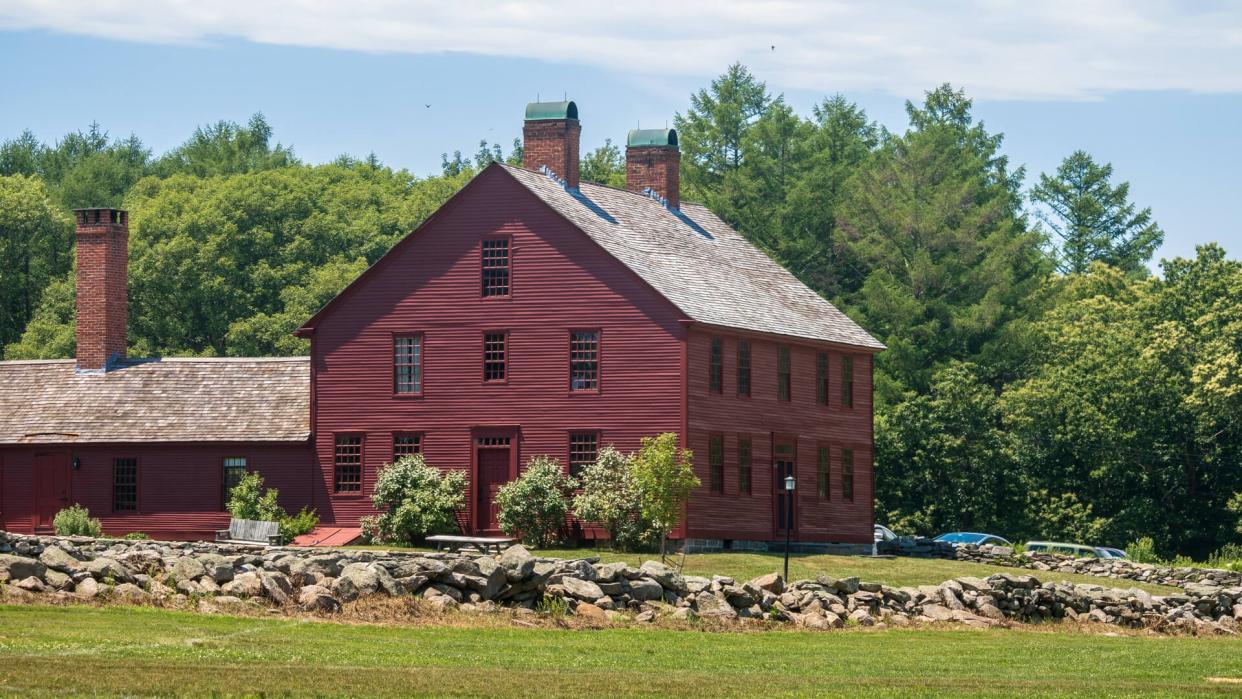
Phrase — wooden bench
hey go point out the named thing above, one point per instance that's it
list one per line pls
(486, 544)
(250, 531)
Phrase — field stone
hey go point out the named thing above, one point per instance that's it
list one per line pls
(710, 605)
(646, 590)
(131, 592)
(57, 580)
(667, 577)
(586, 610)
(314, 598)
(584, 590)
(244, 585)
(105, 569)
(218, 567)
(86, 588)
(277, 587)
(188, 568)
(517, 562)
(20, 567)
(772, 582)
(695, 584)
(56, 558)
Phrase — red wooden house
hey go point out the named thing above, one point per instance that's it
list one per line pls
(532, 314)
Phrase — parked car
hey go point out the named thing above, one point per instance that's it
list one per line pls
(976, 538)
(1109, 552)
(1075, 550)
(883, 533)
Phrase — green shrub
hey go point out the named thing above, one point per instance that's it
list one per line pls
(610, 498)
(415, 500)
(292, 526)
(1143, 551)
(536, 505)
(249, 500)
(76, 521)
(137, 536)
(1228, 556)
(665, 476)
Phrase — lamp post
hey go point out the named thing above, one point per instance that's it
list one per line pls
(789, 490)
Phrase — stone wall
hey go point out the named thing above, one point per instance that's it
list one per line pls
(214, 577)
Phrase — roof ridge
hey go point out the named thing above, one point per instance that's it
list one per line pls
(610, 188)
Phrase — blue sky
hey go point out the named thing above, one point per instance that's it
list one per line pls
(1154, 88)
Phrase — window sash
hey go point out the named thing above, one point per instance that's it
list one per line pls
(847, 382)
(583, 451)
(495, 274)
(347, 462)
(495, 356)
(782, 373)
(823, 481)
(408, 364)
(234, 469)
(715, 461)
(743, 465)
(715, 368)
(821, 378)
(406, 445)
(125, 485)
(743, 368)
(847, 474)
(584, 360)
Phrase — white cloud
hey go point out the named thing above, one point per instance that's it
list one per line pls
(998, 49)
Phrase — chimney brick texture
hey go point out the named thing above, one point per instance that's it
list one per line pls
(552, 142)
(657, 168)
(102, 276)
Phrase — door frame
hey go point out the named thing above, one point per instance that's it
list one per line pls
(513, 433)
(67, 460)
(778, 486)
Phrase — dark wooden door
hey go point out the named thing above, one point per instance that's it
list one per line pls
(51, 486)
(493, 473)
(784, 503)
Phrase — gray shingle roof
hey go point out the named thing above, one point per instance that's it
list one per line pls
(697, 262)
(167, 400)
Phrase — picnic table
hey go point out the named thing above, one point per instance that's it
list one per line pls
(485, 544)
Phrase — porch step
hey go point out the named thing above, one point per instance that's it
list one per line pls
(329, 536)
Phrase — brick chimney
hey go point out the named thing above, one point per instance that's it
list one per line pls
(102, 304)
(653, 164)
(550, 138)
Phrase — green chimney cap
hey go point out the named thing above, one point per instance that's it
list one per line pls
(542, 111)
(651, 137)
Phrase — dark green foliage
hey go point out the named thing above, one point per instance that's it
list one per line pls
(250, 500)
(1092, 220)
(304, 522)
(414, 500)
(224, 148)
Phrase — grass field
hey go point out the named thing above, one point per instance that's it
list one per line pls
(110, 651)
(897, 572)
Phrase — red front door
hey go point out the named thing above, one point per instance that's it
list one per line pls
(493, 462)
(51, 486)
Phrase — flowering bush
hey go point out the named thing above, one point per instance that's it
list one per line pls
(536, 505)
(415, 500)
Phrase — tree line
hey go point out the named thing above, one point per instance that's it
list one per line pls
(1039, 380)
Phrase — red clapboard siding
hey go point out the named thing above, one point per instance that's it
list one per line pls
(430, 284)
(735, 515)
(180, 491)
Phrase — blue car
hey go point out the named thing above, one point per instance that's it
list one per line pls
(976, 538)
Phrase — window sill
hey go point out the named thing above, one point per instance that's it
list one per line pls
(408, 396)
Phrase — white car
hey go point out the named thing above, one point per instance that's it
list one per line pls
(883, 533)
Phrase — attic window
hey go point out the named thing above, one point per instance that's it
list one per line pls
(496, 267)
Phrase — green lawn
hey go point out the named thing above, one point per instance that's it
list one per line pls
(896, 572)
(109, 651)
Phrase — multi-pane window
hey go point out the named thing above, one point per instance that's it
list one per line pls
(495, 356)
(743, 367)
(715, 367)
(584, 360)
(124, 485)
(407, 364)
(821, 473)
(743, 465)
(715, 463)
(496, 267)
(821, 378)
(347, 477)
(583, 451)
(847, 382)
(406, 445)
(847, 474)
(234, 470)
(782, 372)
